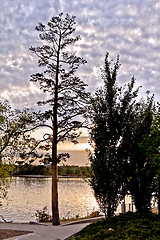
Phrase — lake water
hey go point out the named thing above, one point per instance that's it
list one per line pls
(26, 195)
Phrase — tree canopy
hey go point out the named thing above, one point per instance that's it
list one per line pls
(15, 124)
(111, 108)
(140, 169)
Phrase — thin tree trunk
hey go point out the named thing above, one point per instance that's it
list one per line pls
(55, 209)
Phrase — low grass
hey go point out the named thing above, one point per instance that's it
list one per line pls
(125, 226)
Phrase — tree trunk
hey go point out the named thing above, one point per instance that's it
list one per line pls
(55, 209)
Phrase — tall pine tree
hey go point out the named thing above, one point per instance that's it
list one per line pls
(67, 97)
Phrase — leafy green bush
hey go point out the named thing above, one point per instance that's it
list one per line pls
(94, 214)
(43, 216)
(128, 226)
(5, 171)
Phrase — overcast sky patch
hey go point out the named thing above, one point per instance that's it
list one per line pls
(127, 28)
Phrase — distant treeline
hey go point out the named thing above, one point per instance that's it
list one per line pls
(28, 169)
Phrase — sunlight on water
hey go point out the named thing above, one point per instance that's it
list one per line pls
(26, 195)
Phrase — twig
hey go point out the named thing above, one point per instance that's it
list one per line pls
(5, 220)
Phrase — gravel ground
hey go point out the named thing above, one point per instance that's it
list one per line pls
(7, 233)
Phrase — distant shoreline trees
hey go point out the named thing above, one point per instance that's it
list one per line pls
(67, 170)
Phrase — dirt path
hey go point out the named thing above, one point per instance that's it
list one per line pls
(7, 233)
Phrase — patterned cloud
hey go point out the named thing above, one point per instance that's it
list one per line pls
(125, 27)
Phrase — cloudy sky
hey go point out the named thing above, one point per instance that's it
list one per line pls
(125, 27)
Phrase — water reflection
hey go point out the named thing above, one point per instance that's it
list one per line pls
(26, 195)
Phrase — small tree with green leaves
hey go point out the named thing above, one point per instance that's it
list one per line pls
(140, 169)
(150, 147)
(5, 171)
(67, 98)
(13, 139)
(15, 125)
(111, 110)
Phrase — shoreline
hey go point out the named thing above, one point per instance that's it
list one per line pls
(47, 176)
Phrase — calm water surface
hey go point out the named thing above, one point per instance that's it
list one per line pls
(26, 195)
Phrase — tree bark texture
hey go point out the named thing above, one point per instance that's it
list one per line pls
(55, 209)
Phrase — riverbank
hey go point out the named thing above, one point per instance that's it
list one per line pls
(125, 226)
(48, 176)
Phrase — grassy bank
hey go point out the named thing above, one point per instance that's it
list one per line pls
(128, 226)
